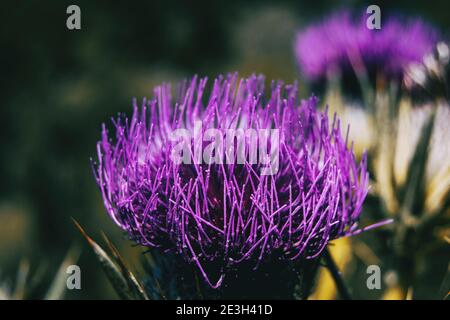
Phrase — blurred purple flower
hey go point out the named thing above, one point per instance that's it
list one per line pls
(342, 41)
(224, 214)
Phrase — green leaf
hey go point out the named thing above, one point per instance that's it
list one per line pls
(414, 189)
(134, 285)
(59, 284)
(119, 276)
(22, 278)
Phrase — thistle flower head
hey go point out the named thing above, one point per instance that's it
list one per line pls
(342, 41)
(224, 212)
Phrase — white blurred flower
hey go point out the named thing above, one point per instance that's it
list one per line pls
(437, 176)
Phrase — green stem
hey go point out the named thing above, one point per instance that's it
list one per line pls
(337, 277)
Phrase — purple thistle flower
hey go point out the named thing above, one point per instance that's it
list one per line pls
(341, 42)
(224, 214)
